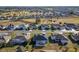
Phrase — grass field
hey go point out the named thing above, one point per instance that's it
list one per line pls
(43, 21)
(74, 20)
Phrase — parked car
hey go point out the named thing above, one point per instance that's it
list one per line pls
(18, 40)
(39, 40)
(58, 38)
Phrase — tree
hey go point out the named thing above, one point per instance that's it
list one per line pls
(37, 19)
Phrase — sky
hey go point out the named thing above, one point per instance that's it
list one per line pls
(39, 2)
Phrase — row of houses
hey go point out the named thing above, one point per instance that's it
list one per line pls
(40, 40)
(66, 26)
(37, 12)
